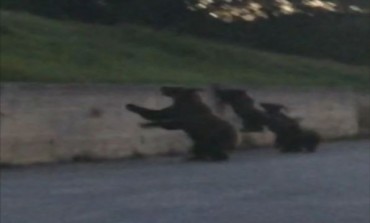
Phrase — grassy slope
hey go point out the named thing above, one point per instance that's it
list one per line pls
(38, 49)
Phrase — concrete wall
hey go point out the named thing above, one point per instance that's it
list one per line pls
(57, 122)
(363, 110)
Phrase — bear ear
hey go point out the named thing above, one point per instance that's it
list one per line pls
(274, 108)
(239, 93)
(195, 89)
(230, 94)
(236, 91)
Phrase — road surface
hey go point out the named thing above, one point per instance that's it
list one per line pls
(258, 186)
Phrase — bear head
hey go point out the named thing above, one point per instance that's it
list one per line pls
(273, 108)
(179, 92)
(233, 96)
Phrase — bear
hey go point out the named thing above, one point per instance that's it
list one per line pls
(286, 129)
(253, 120)
(213, 138)
(290, 136)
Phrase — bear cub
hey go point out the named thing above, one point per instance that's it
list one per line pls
(290, 136)
(243, 106)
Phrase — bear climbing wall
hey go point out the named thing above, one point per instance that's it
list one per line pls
(61, 122)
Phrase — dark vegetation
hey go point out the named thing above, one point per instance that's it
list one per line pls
(36, 49)
(338, 36)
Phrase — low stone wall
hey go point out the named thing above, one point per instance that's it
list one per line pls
(363, 110)
(59, 122)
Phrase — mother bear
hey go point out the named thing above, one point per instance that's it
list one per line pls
(213, 138)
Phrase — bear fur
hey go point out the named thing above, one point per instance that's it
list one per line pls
(243, 105)
(290, 136)
(213, 138)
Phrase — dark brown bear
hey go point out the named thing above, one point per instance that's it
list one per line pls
(290, 136)
(212, 137)
(243, 105)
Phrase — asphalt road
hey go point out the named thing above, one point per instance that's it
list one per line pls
(259, 186)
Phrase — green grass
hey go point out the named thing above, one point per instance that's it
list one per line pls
(36, 49)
